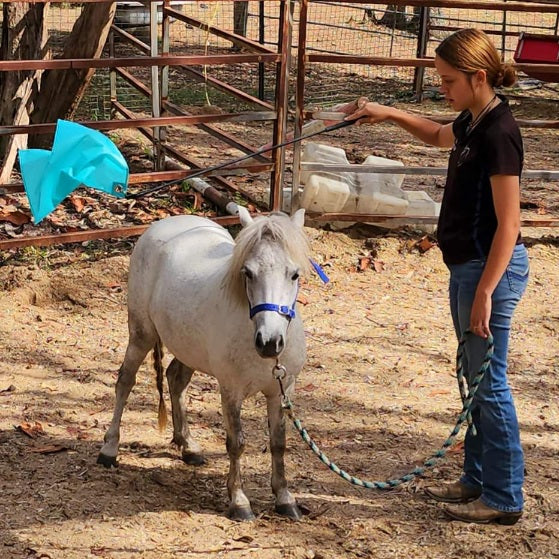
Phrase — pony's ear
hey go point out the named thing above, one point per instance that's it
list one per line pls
(298, 218)
(244, 216)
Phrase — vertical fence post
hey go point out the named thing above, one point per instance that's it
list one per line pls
(504, 34)
(261, 40)
(112, 75)
(165, 47)
(422, 39)
(282, 86)
(155, 91)
(299, 100)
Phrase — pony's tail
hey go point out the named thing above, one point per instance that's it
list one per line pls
(158, 365)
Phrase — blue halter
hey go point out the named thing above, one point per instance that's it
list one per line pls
(284, 310)
(288, 312)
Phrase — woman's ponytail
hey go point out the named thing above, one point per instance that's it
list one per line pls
(506, 77)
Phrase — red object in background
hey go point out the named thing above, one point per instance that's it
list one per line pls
(538, 49)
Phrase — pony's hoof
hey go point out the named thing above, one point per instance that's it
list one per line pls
(107, 461)
(291, 510)
(193, 459)
(240, 514)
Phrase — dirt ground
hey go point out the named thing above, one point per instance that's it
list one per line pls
(377, 394)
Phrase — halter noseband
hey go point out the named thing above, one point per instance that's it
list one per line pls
(284, 310)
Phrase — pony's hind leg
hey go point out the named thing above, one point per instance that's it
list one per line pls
(178, 377)
(239, 505)
(138, 348)
(285, 502)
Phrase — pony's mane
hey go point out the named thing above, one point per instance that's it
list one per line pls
(276, 226)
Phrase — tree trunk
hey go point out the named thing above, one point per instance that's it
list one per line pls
(240, 18)
(394, 16)
(62, 90)
(24, 36)
(414, 20)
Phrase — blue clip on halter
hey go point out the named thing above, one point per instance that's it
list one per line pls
(320, 272)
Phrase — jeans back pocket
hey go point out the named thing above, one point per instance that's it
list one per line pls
(518, 272)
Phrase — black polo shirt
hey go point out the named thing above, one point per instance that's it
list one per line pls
(467, 220)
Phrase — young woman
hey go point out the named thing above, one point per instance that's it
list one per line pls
(479, 236)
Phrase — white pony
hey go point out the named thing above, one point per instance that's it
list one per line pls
(225, 308)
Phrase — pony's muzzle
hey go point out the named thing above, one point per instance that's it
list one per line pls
(269, 348)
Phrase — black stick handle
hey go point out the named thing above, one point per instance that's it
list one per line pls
(200, 172)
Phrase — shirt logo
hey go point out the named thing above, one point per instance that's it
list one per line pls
(463, 157)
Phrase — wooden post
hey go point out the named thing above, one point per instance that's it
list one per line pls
(422, 39)
(112, 74)
(261, 40)
(299, 101)
(282, 85)
(165, 46)
(155, 86)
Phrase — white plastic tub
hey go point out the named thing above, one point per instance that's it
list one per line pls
(360, 193)
(387, 183)
(325, 193)
(374, 202)
(136, 14)
(321, 153)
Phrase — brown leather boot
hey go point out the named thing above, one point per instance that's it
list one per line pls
(480, 513)
(455, 492)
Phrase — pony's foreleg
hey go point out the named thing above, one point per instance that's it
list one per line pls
(135, 354)
(285, 502)
(239, 505)
(178, 377)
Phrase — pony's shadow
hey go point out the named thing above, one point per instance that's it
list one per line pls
(97, 491)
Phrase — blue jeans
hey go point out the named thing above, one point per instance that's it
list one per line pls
(493, 457)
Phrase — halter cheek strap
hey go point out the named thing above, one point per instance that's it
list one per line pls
(284, 310)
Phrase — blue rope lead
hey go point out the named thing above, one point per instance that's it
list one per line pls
(465, 415)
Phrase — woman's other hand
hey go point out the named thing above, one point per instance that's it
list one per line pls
(480, 315)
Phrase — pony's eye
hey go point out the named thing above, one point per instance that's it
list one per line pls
(295, 276)
(248, 274)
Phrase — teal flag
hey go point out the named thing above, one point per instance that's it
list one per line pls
(79, 156)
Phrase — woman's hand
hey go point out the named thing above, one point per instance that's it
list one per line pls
(480, 315)
(428, 131)
(369, 112)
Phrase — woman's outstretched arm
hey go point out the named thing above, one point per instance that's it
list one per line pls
(428, 131)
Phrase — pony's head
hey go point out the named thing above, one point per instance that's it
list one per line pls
(269, 256)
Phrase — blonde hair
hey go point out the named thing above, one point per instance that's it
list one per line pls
(471, 50)
(277, 227)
